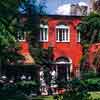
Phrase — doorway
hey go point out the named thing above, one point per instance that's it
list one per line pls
(63, 66)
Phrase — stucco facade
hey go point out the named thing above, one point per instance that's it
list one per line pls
(67, 52)
(71, 49)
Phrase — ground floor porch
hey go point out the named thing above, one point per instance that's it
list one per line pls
(60, 72)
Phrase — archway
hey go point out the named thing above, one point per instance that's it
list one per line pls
(63, 68)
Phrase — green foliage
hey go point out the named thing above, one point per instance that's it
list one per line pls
(28, 87)
(95, 95)
(11, 92)
(8, 21)
(96, 62)
(9, 24)
(8, 46)
(44, 57)
(89, 74)
(75, 89)
(80, 89)
(8, 14)
(43, 98)
(90, 25)
(90, 33)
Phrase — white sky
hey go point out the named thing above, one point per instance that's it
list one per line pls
(60, 6)
(63, 9)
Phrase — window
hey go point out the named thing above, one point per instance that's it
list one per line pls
(78, 37)
(21, 36)
(43, 33)
(62, 33)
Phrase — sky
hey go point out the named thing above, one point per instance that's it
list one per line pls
(59, 6)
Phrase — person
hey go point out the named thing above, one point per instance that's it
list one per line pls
(43, 88)
(53, 80)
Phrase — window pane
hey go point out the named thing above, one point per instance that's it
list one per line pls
(63, 34)
(66, 32)
(45, 35)
(42, 32)
(60, 34)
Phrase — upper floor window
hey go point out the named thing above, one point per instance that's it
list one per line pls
(21, 36)
(43, 33)
(78, 37)
(62, 33)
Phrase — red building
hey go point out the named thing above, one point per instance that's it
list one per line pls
(60, 33)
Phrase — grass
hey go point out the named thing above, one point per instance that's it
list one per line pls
(43, 98)
(95, 95)
(93, 80)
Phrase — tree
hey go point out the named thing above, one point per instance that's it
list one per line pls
(32, 12)
(90, 32)
(43, 57)
(11, 23)
(8, 22)
(96, 61)
(8, 14)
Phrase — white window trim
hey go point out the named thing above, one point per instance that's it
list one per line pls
(63, 27)
(78, 37)
(63, 62)
(24, 33)
(40, 39)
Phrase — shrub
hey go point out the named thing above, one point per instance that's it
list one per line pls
(75, 89)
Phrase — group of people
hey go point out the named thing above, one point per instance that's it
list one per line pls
(46, 89)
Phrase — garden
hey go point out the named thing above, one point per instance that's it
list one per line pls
(86, 87)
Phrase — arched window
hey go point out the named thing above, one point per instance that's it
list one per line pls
(43, 37)
(62, 33)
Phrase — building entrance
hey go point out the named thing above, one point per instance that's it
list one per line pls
(63, 66)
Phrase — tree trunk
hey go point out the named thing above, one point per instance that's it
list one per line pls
(91, 42)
